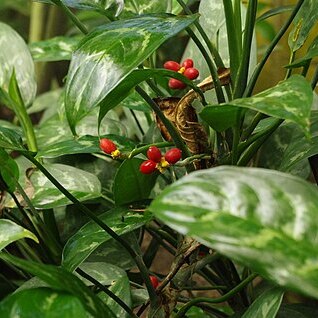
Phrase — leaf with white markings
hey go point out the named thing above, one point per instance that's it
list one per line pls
(15, 54)
(11, 232)
(91, 235)
(81, 184)
(10, 139)
(261, 218)
(108, 54)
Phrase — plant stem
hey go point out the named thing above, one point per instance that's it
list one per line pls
(107, 292)
(291, 59)
(137, 258)
(142, 149)
(231, 293)
(249, 130)
(259, 67)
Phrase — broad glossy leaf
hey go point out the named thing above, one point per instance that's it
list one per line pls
(90, 236)
(10, 139)
(62, 280)
(121, 288)
(84, 144)
(81, 184)
(15, 54)
(108, 54)
(130, 184)
(290, 100)
(11, 232)
(266, 305)
(42, 302)
(9, 170)
(304, 21)
(311, 53)
(133, 8)
(261, 218)
(218, 117)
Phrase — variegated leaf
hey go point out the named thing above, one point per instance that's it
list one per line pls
(11, 232)
(10, 139)
(14, 54)
(261, 218)
(110, 53)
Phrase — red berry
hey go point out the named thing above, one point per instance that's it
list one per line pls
(107, 145)
(154, 154)
(154, 281)
(172, 65)
(191, 73)
(187, 63)
(176, 84)
(173, 155)
(148, 167)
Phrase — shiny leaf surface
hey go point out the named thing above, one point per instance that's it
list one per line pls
(261, 218)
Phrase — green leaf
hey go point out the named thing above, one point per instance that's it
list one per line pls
(218, 117)
(274, 11)
(133, 8)
(9, 170)
(90, 236)
(15, 54)
(266, 305)
(311, 53)
(42, 302)
(130, 184)
(81, 184)
(261, 218)
(290, 100)
(108, 54)
(62, 280)
(120, 288)
(297, 311)
(304, 21)
(11, 232)
(59, 48)
(84, 144)
(10, 139)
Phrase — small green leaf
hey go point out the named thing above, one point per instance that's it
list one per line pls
(59, 48)
(261, 218)
(311, 53)
(304, 21)
(107, 55)
(62, 280)
(218, 117)
(15, 54)
(81, 184)
(130, 184)
(10, 139)
(90, 236)
(290, 100)
(9, 170)
(11, 232)
(266, 305)
(42, 302)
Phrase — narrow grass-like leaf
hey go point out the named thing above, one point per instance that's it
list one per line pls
(261, 218)
(290, 100)
(62, 280)
(108, 54)
(15, 54)
(42, 302)
(266, 305)
(90, 236)
(59, 48)
(11, 232)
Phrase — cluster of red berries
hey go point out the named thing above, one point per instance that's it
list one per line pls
(109, 147)
(156, 161)
(154, 281)
(186, 68)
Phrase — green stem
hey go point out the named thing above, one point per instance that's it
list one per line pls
(238, 21)
(107, 292)
(225, 297)
(142, 149)
(137, 122)
(171, 129)
(249, 130)
(72, 16)
(291, 59)
(137, 258)
(259, 67)
(212, 67)
(242, 75)
(38, 14)
(233, 42)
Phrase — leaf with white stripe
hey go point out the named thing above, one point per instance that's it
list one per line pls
(264, 219)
